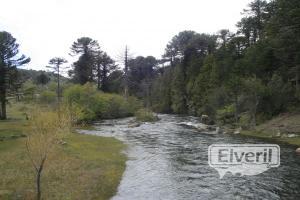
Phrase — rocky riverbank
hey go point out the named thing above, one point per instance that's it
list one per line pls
(284, 128)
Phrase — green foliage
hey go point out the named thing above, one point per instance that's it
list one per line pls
(9, 60)
(145, 115)
(226, 114)
(245, 120)
(47, 97)
(30, 90)
(179, 104)
(161, 92)
(200, 89)
(92, 104)
(254, 71)
(278, 97)
(42, 79)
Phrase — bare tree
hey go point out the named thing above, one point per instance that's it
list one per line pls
(124, 59)
(45, 133)
(126, 78)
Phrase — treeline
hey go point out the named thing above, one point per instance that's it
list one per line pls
(239, 78)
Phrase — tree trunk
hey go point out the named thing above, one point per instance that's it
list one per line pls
(38, 179)
(253, 121)
(236, 112)
(3, 108)
(3, 93)
(254, 112)
(58, 84)
(3, 103)
(99, 77)
(126, 74)
(297, 79)
(104, 86)
(38, 185)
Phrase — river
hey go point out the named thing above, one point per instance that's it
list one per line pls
(168, 161)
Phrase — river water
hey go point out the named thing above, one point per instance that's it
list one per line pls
(169, 161)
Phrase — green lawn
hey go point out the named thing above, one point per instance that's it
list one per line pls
(86, 167)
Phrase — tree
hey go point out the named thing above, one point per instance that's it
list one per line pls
(105, 65)
(176, 47)
(283, 30)
(56, 68)
(254, 90)
(235, 88)
(126, 74)
(46, 131)
(161, 94)
(179, 94)
(225, 36)
(187, 51)
(42, 79)
(115, 81)
(141, 72)
(200, 88)
(278, 97)
(83, 69)
(9, 60)
(252, 25)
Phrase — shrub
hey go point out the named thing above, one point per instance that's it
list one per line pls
(145, 115)
(226, 115)
(245, 120)
(46, 130)
(93, 104)
(47, 97)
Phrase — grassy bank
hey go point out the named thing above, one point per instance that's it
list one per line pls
(86, 167)
(285, 124)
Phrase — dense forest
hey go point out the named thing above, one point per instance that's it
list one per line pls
(244, 77)
(240, 78)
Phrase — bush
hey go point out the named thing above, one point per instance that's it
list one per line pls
(245, 120)
(47, 97)
(145, 115)
(46, 130)
(226, 115)
(93, 104)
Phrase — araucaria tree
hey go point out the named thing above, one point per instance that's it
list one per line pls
(83, 69)
(104, 66)
(9, 60)
(56, 68)
(42, 79)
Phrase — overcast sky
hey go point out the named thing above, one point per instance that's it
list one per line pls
(47, 28)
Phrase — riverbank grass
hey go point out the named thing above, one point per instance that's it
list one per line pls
(285, 124)
(84, 167)
(268, 135)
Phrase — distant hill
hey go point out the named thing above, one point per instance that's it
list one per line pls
(32, 74)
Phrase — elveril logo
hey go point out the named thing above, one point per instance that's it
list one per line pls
(243, 159)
